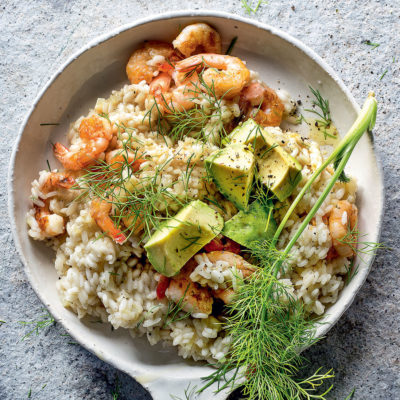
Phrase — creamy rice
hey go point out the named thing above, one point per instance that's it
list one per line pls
(116, 283)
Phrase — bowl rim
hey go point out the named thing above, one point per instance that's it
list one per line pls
(203, 13)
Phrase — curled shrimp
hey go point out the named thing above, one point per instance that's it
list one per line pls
(226, 75)
(192, 297)
(100, 211)
(95, 133)
(262, 103)
(52, 224)
(342, 223)
(198, 38)
(178, 98)
(144, 63)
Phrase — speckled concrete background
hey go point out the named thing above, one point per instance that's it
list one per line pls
(38, 35)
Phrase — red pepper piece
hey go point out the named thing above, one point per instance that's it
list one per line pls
(232, 246)
(214, 245)
(162, 286)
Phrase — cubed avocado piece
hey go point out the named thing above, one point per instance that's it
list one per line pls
(249, 132)
(232, 169)
(179, 238)
(257, 223)
(278, 170)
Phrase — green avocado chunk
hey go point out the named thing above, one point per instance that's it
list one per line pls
(232, 169)
(257, 223)
(249, 132)
(277, 169)
(179, 238)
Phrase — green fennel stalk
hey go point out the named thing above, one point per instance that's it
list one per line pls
(267, 325)
(340, 156)
(365, 121)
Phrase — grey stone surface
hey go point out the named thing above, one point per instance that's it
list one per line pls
(36, 36)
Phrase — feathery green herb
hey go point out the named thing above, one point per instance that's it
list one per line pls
(351, 272)
(268, 327)
(339, 157)
(175, 311)
(147, 314)
(135, 202)
(148, 201)
(44, 322)
(177, 122)
(30, 390)
(322, 111)
(190, 393)
(301, 119)
(360, 247)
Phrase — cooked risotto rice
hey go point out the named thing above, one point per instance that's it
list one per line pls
(117, 284)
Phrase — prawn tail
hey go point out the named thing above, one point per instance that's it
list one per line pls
(119, 237)
(114, 232)
(60, 151)
(67, 182)
(62, 154)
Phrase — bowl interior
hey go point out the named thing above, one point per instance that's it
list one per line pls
(281, 61)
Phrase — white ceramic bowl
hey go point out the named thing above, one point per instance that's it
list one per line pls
(100, 67)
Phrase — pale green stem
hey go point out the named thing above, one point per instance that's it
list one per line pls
(365, 121)
(321, 199)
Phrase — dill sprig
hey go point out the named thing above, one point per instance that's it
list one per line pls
(360, 247)
(148, 201)
(351, 272)
(177, 122)
(175, 311)
(44, 322)
(190, 393)
(267, 325)
(135, 201)
(321, 110)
